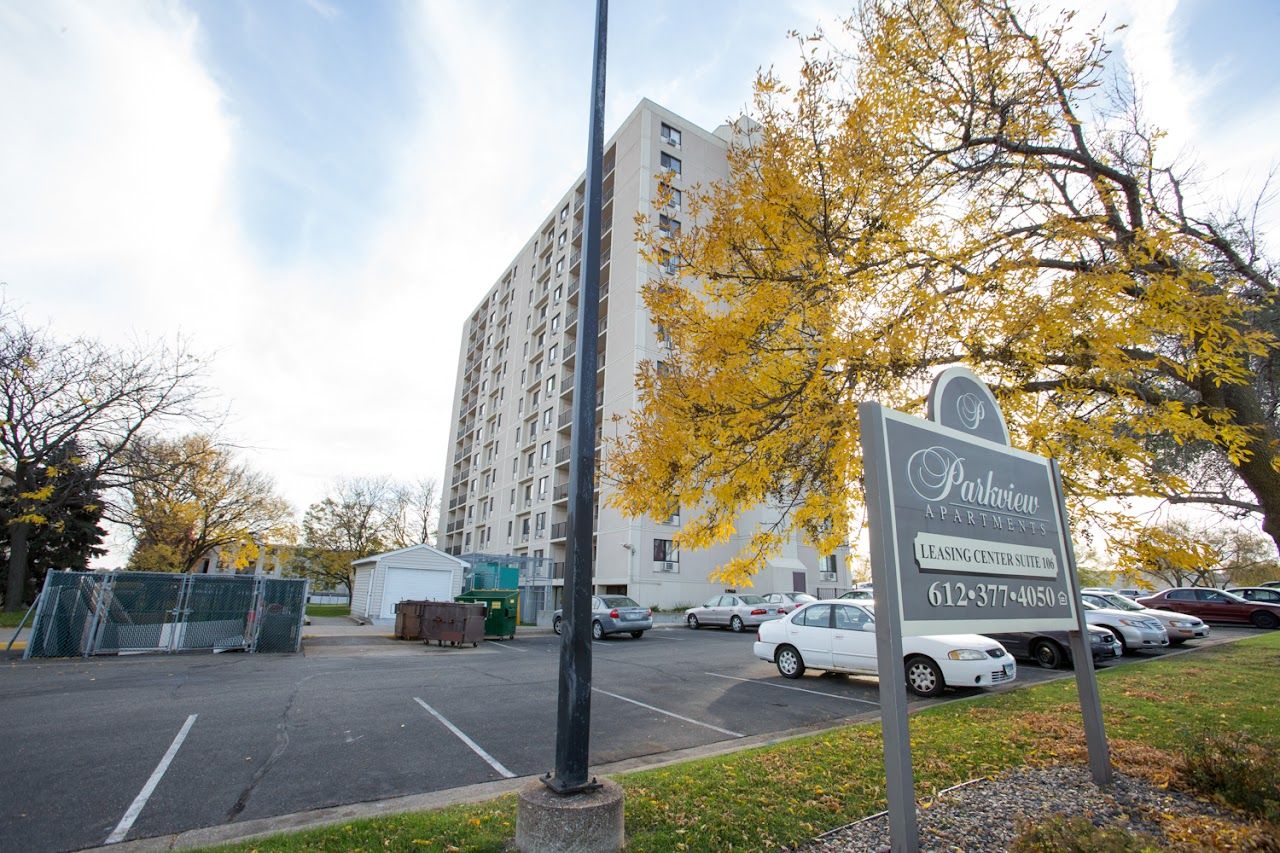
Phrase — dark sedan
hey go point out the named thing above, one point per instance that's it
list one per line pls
(1215, 605)
(1256, 593)
(1052, 649)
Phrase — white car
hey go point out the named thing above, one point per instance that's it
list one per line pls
(1179, 626)
(838, 635)
(1133, 630)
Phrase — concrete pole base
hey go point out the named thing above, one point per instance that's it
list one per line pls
(590, 822)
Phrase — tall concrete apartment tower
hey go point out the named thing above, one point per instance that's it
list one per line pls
(506, 486)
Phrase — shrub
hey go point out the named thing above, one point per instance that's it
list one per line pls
(1079, 835)
(1237, 769)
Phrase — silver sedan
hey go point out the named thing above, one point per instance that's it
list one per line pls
(789, 601)
(612, 614)
(736, 611)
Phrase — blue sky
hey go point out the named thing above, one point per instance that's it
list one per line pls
(317, 192)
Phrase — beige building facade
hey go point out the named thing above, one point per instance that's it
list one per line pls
(507, 467)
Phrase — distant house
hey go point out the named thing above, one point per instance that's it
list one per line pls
(270, 562)
(417, 573)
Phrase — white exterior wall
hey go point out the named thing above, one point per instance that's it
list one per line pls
(491, 403)
(360, 590)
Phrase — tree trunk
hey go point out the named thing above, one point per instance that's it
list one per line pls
(1258, 471)
(16, 588)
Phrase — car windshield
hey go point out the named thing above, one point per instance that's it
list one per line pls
(1119, 602)
(1088, 606)
(802, 597)
(752, 599)
(1232, 597)
(617, 601)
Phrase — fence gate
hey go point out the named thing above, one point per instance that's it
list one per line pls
(85, 613)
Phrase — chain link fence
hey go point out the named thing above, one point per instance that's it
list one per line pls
(87, 613)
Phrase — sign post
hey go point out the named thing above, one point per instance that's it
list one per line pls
(968, 534)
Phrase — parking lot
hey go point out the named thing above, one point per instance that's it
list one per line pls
(116, 748)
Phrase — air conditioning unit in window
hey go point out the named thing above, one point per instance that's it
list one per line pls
(826, 576)
(666, 566)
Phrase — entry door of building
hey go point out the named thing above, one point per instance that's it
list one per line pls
(798, 581)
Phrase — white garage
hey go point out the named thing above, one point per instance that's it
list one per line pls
(417, 573)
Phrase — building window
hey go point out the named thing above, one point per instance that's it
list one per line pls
(670, 164)
(541, 524)
(564, 213)
(670, 135)
(668, 227)
(546, 417)
(674, 199)
(564, 235)
(551, 385)
(559, 266)
(555, 323)
(542, 488)
(559, 291)
(552, 353)
(665, 551)
(545, 451)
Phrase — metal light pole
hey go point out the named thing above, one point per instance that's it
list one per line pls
(573, 716)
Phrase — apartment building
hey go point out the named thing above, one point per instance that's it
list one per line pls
(507, 468)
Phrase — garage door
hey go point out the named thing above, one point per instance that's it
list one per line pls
(417, 585)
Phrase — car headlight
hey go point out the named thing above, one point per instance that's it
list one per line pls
(966, 654)
(1181, 623)
(1135, 623)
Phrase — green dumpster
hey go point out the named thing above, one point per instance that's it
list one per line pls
(502, 604)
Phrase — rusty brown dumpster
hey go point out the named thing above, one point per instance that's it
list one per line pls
(453, 623)
(409, 616)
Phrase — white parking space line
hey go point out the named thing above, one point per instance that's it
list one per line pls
(475, 747)
(789, 687)
(504, 647)
(660, 637)
(135, 808)
(670, 714)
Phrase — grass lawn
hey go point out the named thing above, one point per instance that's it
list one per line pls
(764, 798)
(328, 609)
(11, 620)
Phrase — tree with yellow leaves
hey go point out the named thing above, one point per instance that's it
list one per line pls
(961, 186)
(190, 496)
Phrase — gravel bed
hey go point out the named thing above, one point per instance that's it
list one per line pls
(987, 814)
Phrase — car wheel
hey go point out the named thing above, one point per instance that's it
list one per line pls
(790, 664)
(923, 677)
(736, 624)
(556, 626)
(1262, 619)
(692, 622)
(1047, 654)
(637, 634)
(597, 631)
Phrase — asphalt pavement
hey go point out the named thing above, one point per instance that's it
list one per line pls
(138, 747)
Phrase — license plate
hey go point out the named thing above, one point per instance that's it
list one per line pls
(1008, 669)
